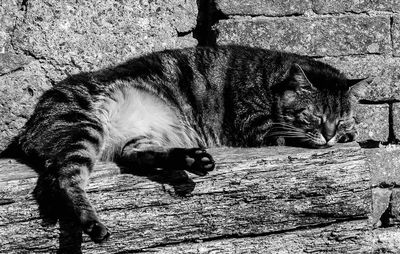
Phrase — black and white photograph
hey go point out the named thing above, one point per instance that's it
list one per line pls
(199, 126)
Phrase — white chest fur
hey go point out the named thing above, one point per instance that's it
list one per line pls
(129, 113)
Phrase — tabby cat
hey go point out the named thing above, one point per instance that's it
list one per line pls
(161, 110)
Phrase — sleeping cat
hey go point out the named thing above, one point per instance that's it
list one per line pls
(163, 109)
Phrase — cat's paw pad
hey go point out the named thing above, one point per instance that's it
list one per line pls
(199, 162)
(97, 232)
(348, 137)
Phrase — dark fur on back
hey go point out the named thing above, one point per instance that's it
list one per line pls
(162, 109)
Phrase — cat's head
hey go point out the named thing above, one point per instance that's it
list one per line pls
(315, 108)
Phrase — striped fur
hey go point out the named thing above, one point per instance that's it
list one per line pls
(162, 109)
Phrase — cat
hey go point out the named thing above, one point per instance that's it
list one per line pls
(163, 109)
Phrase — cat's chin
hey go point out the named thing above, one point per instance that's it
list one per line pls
(322, 146)
(305, 144)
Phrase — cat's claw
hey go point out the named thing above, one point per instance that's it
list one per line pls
(199, 162)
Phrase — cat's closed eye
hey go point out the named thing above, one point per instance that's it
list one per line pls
(319, 119)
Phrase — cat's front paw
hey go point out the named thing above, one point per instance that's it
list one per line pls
(348, 137)
(199, 162)
(194, 160)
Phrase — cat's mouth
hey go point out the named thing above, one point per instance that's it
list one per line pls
(321, 141)
(306, 143)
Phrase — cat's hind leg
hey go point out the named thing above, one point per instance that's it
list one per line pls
(60, 189)
(142, 154)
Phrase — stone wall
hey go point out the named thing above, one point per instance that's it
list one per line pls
(42, 42)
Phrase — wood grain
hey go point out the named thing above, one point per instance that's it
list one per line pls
(257, 200)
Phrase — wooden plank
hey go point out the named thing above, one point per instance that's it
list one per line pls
(346, 237)
(252, 192)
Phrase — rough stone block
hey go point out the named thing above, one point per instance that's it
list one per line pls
(380, 199)
(262, 7)
(9, 13)
(322, 36)
(385, 69)
(396, 35)
(19, 92)
(357, 6)
(76, 36)
(386, 240)
(395, 207)
(396, 120)
(10, 62)
(385, 166)
(372, 122)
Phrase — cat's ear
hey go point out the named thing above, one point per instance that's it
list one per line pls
(359, 87)
(301, 80)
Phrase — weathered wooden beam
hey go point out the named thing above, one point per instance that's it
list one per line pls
(256, 200)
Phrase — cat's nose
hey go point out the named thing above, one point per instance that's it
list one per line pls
(328, 136)
(329, 130)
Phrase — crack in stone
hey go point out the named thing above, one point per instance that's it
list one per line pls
(24, 8)
(208, 16)
(391, 31)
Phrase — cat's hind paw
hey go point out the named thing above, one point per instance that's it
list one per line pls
(97, 232)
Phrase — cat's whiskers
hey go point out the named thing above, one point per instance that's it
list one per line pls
(286, 135)
(285, 130)
(316, 140)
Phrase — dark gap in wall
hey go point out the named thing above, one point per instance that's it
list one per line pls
(386, 185)
(369, 143)
(24, 5)
(368, 102)
(208, 16)
(385, 217)
(182, 34)
(392, 136)
(391, 33)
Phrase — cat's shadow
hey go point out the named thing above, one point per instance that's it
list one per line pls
(179, 180)
(70, 239)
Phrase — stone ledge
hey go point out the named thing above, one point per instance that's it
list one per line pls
(257, 200)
